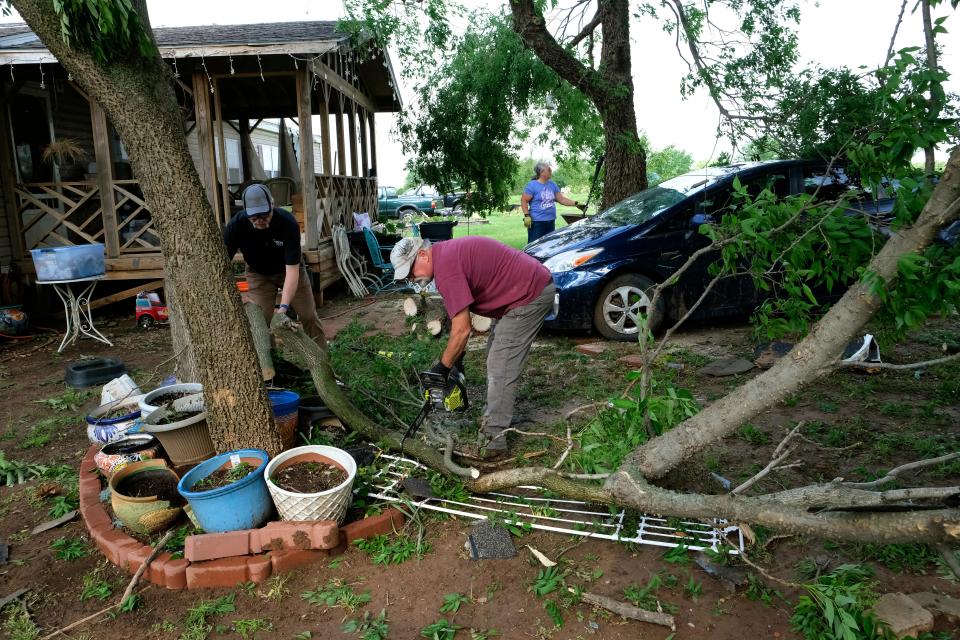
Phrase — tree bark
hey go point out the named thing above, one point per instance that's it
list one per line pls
(610, 88)
(185, 368)
(813, 357)
(137, 94)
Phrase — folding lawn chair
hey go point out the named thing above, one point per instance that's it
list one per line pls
(380, 259)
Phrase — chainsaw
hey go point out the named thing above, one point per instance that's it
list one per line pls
(448, 395)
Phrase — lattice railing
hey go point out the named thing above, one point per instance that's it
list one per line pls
(134, 222)
(339, 196)
(55, 214)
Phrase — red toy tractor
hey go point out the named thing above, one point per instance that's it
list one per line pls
(150, 311)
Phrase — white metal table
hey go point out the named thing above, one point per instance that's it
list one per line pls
(76, 308)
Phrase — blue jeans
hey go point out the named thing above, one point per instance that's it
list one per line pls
(540, 228)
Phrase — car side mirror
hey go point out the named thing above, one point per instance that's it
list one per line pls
(699, 219)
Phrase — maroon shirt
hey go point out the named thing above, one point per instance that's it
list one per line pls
(485, 275)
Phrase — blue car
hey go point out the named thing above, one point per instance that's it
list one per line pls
(605, 265)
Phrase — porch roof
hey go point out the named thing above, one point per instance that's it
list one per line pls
(20, 46)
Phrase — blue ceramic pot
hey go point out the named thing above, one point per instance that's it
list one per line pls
(244, 504)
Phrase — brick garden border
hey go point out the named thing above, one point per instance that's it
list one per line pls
(129, 553)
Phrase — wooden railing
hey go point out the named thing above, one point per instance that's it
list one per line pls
(55, 214)
(339, 196)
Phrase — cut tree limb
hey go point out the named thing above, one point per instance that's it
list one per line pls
(628, 610)
(261, 340)
(480, 324)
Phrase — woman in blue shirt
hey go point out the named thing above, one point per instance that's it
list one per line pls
(539, 202)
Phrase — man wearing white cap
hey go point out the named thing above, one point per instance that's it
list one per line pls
(486, 277)
(269, 240)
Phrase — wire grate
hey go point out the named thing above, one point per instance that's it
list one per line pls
(529, 507)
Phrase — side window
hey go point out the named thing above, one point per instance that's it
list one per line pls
(676, 221)
(830, 185)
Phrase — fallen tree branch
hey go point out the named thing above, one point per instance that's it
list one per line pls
(628, 610)
(896, 472)
(790, 514)
(778, 456)
(950, 557)
(143, 567)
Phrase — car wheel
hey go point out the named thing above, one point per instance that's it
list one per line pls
(146, 322)
(407, 211)
(621, 302)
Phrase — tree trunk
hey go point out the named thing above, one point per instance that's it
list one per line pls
(137, 94)
(185, 368)
(610, 88)
(816, 355)
(929, 163)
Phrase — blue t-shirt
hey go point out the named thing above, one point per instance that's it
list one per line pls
(543, 204)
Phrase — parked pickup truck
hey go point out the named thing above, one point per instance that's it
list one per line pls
(392, 205)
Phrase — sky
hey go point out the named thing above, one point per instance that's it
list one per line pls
(831, 33)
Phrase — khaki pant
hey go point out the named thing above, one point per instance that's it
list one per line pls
(263, 292)
(507, 349)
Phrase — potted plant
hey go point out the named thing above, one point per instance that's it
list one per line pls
(437, 229)
(312, 482)
(160, 396)
(144, 496)
(131, 448)
(182, 430)
(285, 414)
(65, 154)
(228, 492)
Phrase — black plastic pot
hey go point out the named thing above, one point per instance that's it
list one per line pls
(437, 231)
(90, 372)
(312, 408)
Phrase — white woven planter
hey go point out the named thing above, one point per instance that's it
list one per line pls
(331, 504)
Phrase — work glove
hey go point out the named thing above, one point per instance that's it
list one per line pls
(527, 221)
(441, 369)
(581, 205)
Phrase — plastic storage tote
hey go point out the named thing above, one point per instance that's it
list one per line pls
(69, 263)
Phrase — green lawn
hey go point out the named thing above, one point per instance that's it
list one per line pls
(508, 227)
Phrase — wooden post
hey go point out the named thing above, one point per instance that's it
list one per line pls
(341, 145)
(244, 139)
(8, 172)
(308, 183)
(204, 120)
(364, 159)
(222, 173)
(108, 208)
(324, 112)
(352, 119)
(373, 144)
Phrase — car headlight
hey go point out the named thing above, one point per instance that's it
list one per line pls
(570, 260)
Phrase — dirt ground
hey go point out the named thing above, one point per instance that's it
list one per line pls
(856, 425)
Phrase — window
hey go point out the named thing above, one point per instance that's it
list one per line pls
(269, 155)
(234, 164)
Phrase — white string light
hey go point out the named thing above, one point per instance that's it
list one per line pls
(176, 71)
(232, 72)
(203, 63)
(261, 68)
(42, 85)
(11, 73)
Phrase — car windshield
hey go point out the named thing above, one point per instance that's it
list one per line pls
(643, 206)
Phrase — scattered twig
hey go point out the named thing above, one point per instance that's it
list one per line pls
(781, 453)
(824, 446)
(949, 557)
(566, 451)
(530, 434)
(584, 407)
(628, 610)
(893, 474)
(897, 367)
(143, 567)
(761, 571)
(74, 625)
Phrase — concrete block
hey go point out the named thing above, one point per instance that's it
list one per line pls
(904, 615)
